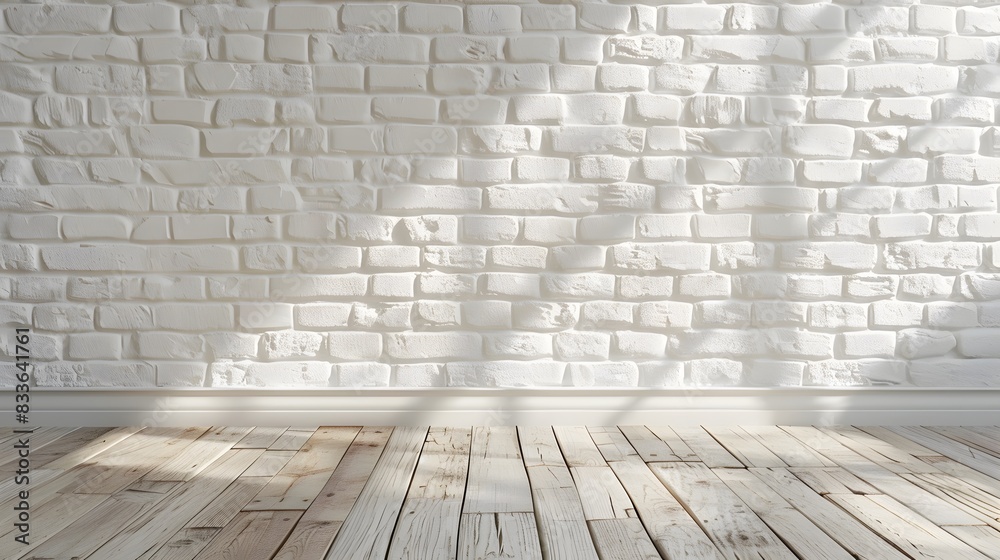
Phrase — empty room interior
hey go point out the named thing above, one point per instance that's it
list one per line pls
(499, 280)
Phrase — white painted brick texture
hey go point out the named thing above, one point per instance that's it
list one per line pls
(502, 194)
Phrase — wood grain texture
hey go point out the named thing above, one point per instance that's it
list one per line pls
(562, 526)
(708, 450)
(622, 539)
(838, 524)
(301, 479)
(498, 536)
(498, 481)
(800, 534)
(321, 522)
(911, 533)
(147, 533)
(528, 493)
(251, 535)
(671, 528)
(886, 481)
(367, 531)
(427, 528)
(731, 524)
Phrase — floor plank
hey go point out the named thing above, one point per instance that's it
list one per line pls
(260, 438)
(130, 460)
(292, 439)
(321, 522)
(498, 482)
(428, 523)
(367, 531)
(840, 526)
(252, 535)
(539, 447)
(800, 534)
(672, 530)
(622, 539)
(97, 526)
(978, 503)
(578, 448)
(498, 536)
(197, 533)
(889, 483)
(299, 482)
(144, 536)
(950, 448)
(898, 441)
(601, 494)
(877, 451)
(790, 450)
(677, 445)
(983, 539)
(562, 527)
(612, 444)
(199, 454)
(910, 532)
(706, 448)
(648, 445)
(731, 524)
(746, 448)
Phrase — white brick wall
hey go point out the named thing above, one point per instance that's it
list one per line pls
(489, 194)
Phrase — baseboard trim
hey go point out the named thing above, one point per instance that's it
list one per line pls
(466, 407)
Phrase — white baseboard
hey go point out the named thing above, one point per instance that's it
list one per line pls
(465, 407)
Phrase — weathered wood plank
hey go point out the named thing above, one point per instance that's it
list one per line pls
(877, 451)
(904, 528)
(561, 524)
(190, 540)
(672, 530)
(539, 446)
(292, 439)
(299, 482)
(428, 523)
(144, 536)
(950, 448)
(622, 539)
(677, 445)
(889, 483)
(260, 438)
(706, 448)
(498, 536)
(270, 463)
(744, 447)
(795, 529)
(648, 445)
(612, 444)
(193, 459)
(97, 525)
(316, 530)
(252, 535)
(984, 539)
(601, 494)
(790, 450)
(731, 524)
(367, 531)
(130, 460)
(898, 441)
(578, 448)
(978, 503)
(846, 530)
(497, 479)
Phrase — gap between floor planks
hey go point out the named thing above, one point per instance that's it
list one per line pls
(545, 493)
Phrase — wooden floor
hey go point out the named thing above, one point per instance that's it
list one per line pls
(562, 493)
